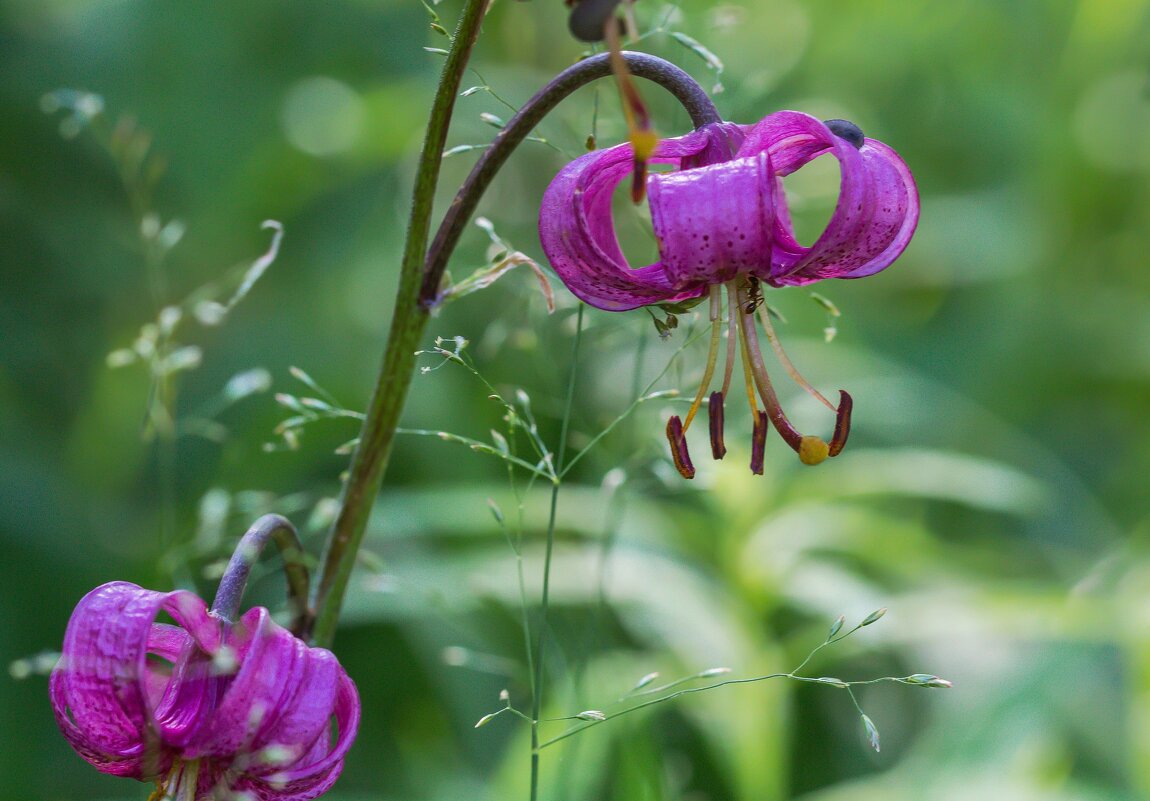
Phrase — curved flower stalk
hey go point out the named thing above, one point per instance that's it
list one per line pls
(722, 226)
(206, 708)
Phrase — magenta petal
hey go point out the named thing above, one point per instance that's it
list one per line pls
(877, 209)
(713, 223)
(896, 210)
(165, 642)
(305, 715)
(97, 690)
(316, 771)
(252, 702)
(577, 231)
(260, 654)
(578, 235)
(186, 703)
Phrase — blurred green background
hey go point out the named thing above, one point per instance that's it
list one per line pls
(994, 495)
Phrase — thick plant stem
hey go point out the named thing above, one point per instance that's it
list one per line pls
(407, 324)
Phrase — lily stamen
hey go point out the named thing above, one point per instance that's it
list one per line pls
(842, 424)
(759, 443)
(678, 442)
(639, 132)
(811, 450)
(715, 414)
(676, 428)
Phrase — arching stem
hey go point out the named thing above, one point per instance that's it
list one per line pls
(422, 270)
(226, 605)
(685, 89)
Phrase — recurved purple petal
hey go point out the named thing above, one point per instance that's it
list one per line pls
(577, 231)
(316, 771)
(254, 672)
(98, 690)
(305, 712)
(875, 215)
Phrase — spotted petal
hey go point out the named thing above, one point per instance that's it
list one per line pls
(250, 703)
(101, 691)
(577, 231)
(877, 209)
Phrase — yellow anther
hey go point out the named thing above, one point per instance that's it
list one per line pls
(813, 450)
(644, 142)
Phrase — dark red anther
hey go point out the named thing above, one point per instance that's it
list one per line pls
(638, 181)
(842, 424)
(715, 413)
(679, 447)
(759, 442)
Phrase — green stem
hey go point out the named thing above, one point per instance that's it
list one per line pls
(407, 324)
(541, 634)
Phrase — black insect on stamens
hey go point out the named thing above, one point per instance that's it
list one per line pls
(754, 295)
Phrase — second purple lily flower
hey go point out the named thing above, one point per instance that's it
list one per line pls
(722, 225)
(207, 709)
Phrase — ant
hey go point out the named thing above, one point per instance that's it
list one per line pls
(754, 295)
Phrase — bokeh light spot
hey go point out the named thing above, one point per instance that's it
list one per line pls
(1112, 121)
(322, 116)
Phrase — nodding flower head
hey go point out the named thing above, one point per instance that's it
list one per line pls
(723, 229)
(204, 708)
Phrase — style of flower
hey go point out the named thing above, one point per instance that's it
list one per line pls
(723, 228)
(206, 708)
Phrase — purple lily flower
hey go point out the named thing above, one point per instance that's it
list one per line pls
(721, 220)
(205, 708)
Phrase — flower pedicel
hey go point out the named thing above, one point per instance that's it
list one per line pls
(723, 228)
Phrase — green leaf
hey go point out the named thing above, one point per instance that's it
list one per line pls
(692, 44)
